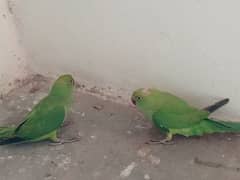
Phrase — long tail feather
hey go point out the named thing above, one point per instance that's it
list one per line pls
(216, 105)
(13, 140)
(232, 126)
(208, 126)
(6, 132)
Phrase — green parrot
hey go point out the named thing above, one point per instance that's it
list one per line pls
(172, 115)
(45, 118)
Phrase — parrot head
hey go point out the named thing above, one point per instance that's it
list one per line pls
(146, 100)
(66, 79)
(142, 95)
(63, 87)
(137, 96)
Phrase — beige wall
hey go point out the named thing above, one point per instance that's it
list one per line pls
(12, 58)
(189, 47)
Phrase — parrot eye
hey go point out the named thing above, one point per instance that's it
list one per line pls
(138, 98)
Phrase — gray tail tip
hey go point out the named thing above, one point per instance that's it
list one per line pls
(226, 100)
(217, 105)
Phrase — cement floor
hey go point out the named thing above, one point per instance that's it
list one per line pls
(112, 145)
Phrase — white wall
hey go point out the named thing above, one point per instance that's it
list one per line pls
(190, 47)
(12, 58)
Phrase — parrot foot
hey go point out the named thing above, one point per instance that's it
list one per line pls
(166, 141)
(64, 141)
(67, 123)
(163, 141)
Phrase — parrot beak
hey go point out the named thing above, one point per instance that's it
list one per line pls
(133, 101)
(73, 82)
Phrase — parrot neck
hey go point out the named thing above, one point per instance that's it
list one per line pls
(66, 100)
(147, 113)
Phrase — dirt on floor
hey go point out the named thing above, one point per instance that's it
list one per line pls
(112, 145)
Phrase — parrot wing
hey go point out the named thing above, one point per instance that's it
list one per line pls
(177, 120)
(44, 119)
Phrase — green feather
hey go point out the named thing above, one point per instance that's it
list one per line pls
(175, 116)
(45, 118)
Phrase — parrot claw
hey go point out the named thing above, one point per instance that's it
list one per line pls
(164, 141)
(64, 141)
(67, 123)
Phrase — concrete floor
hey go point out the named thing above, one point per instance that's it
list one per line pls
(112, 145)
